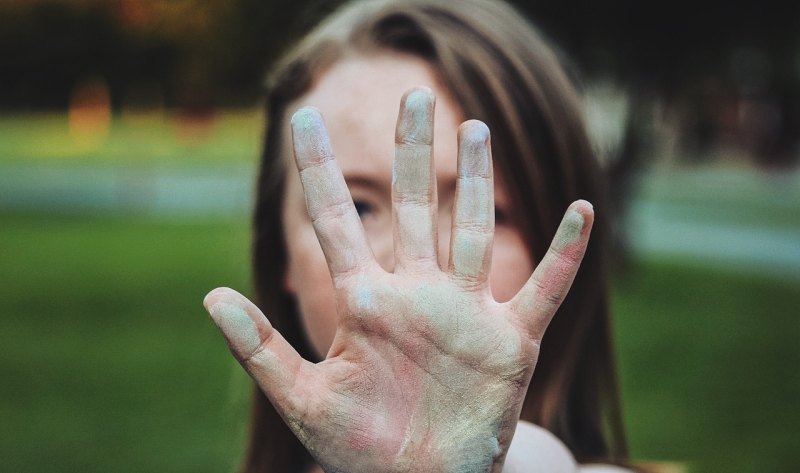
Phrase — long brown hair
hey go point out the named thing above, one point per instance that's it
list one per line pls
(499, 70)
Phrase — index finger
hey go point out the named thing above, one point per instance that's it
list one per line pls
(330, 207)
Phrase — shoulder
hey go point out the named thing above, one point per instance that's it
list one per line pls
(535, 449)
(602, 469)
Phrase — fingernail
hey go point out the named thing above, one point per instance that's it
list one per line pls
(311, 143)
(570, 229)
(475, 157)
(212, 297)
(416, 117)
(236, 325)
(305, 119)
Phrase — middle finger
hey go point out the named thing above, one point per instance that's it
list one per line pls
(414, 183)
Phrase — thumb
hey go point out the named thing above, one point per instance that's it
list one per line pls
(263, 352)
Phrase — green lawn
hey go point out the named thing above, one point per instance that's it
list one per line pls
(109, 362)
(709, 367)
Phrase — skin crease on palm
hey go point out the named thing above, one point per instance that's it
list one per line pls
(431, 323)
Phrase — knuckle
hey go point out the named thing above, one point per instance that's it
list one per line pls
(331, 214)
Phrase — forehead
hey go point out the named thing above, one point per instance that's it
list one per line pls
(359, 98)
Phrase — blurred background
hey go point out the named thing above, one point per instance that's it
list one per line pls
(129, 134)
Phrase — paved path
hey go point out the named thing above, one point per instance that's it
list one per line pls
(659, 230)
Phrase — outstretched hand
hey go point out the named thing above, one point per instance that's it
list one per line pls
(427, 372)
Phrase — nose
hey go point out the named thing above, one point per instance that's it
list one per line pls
(383, 248)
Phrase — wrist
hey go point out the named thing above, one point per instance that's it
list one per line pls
(455, 451)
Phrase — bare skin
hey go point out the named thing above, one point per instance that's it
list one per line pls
(427, 371)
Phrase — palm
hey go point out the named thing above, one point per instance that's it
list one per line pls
(427, 371)
(436, 373)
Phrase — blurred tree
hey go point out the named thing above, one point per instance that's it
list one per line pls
(229, 42)
(207, 53)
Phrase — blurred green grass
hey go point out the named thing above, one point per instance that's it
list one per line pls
(708, 363)
(110, 363)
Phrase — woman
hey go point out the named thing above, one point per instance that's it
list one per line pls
(482, 61)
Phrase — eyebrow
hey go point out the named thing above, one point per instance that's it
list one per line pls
(362, 180)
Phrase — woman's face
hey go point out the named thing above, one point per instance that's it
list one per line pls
(359, 98)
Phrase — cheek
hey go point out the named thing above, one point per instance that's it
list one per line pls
(379, 236)
(511, 265)
(311, 284)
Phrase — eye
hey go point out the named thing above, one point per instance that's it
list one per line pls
(363, 208)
